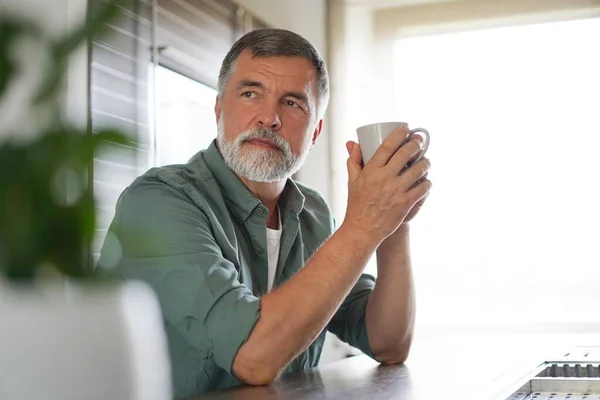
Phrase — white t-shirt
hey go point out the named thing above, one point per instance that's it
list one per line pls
(273, 244)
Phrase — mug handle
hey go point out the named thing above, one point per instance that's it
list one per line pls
(419, 156)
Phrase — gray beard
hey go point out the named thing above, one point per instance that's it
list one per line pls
(255, 163)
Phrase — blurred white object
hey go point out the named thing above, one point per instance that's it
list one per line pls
(32, 58)
(85, 343)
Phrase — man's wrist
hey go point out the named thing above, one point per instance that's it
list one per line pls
(404, 227)
(400, 237)
(400, 233)
(357, 238)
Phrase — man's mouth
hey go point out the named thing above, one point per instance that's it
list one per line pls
(264, 143)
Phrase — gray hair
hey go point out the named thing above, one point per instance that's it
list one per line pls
(271, 42)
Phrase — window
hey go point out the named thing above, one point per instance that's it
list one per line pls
(511, 230)
(185, 117)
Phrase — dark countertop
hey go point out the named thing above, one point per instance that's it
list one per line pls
(460, 366)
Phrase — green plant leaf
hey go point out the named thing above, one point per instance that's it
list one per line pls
(39, 225)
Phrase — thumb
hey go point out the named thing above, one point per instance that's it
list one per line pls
(349, 146)
(354, 162)
(354, 151)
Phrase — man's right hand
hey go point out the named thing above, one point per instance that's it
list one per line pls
(382, 192)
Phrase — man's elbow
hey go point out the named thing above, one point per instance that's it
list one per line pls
(253, 371)
(392, 356)
(256, 376)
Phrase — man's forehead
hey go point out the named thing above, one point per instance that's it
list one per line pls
(289, 68)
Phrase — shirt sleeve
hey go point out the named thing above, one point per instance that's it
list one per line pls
(166, 240)
(349, 323)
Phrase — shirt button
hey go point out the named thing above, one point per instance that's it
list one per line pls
(258, 250)
(259, 211)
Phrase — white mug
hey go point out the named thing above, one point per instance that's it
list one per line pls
(371, 136)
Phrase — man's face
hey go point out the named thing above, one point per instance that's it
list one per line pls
(267, 117)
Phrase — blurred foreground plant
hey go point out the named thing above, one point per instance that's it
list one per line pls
(46, 204)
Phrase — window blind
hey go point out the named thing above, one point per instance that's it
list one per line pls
(119, 84)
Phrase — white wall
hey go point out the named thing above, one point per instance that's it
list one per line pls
(309, 19)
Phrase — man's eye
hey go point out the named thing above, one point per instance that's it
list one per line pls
(249, 94)
(291, 103)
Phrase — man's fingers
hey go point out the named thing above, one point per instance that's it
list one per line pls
(389, 146)
(409, 151)
(420, 191)
(420, 154)
(414, 174)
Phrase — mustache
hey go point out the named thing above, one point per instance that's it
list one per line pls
(264, 133)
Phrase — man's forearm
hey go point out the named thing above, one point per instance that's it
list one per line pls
(390, 314)
(293, 315)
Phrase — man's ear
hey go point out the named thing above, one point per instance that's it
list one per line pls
(218, 108)
(317, 131)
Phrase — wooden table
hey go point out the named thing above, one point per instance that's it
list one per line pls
(456, 366)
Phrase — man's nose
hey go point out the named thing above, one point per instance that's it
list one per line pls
(269, 117)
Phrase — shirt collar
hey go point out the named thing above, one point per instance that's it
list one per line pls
(291, 200)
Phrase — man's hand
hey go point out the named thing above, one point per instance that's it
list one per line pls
(383, 194)
(413, 211)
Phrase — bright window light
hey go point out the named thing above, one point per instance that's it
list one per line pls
(185, 117)
(511, 231)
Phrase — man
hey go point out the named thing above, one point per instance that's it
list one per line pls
(245, 261)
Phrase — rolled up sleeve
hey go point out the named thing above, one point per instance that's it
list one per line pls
(349, 323)
(166, 240)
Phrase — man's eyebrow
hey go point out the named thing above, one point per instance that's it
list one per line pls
(244, 83)
(249, 83)
(298, 96)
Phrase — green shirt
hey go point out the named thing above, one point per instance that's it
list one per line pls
(197, 235)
